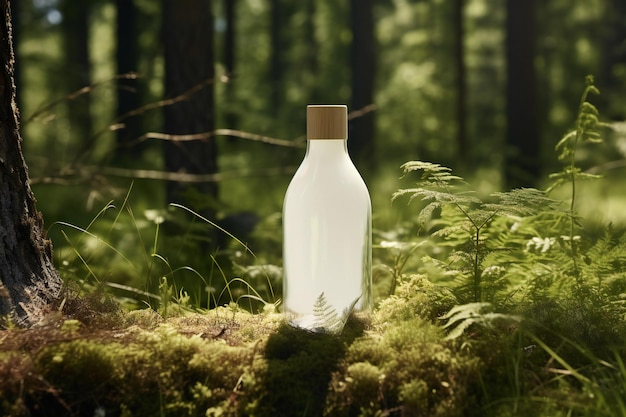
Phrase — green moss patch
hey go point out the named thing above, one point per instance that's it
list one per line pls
(230, 362)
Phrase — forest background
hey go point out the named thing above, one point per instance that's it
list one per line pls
(123, 115)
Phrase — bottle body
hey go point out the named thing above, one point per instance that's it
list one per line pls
(327, 239)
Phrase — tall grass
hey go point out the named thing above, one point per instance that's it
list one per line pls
(139, 260)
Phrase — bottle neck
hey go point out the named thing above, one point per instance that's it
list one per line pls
(327, 149)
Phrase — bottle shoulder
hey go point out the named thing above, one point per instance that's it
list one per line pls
(337, 175)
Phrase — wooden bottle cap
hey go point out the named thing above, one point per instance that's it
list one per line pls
(327, 122)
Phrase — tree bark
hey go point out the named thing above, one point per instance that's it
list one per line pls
(278, 45)
(363, 64)
(75, 32)
(128, 97)
(188, 43)
(28, 280)
(230, 14)
(614, 60)
(311, 51)
(463, 151)
(522, 159)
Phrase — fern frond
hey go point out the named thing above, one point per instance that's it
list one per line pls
(588, 119)
(588, 176)
(564, 143)
(434, 174)
(461, 317)
(426, 214)
(606, 260)
(326, 317)
(523, 202)
(451, 230)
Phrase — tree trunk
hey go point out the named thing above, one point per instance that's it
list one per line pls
(128, 98)
(311, 51)
(16, 31)
(463, 152)
(277, 55)
(522, 159)
(75, 32)
(230, 13)
(614, 60)
(28, 280)
(188, 44)
(363, 64)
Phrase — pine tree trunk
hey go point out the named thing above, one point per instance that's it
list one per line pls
(28, 280)
(522, 160)
(363, 63)
(311, 58)
(128, 96)
(188, 45)
(75, 35)
(278, 46)
(614, 60)
(230, 44)
(463, 149)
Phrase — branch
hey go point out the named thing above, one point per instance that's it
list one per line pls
(222, 132)
(75, 94)
(90, 171)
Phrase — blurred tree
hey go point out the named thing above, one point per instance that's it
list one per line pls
(230, 17)
(189, 79)
(522, 154)
(614, 59)
(363, 65)
(311, 48)
(278, 46)
(485, 65)
(75, 46)
(128, 97)
(458, 19)
(28, 281)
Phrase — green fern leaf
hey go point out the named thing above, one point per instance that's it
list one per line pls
(461, 317)
(522, 202)
(326, 317)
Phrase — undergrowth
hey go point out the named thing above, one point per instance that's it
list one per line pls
(497, 305)
(530, 278)
(173, 273)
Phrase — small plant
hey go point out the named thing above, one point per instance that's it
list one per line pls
(326, 316)
(461, 317)
(467, 228)
(587, 130)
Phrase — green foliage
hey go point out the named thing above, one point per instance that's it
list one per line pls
(468, 226)
(587, 131)
(461, 317)
(540, 298)
(163, 244)
(327, 319)
(326, 316)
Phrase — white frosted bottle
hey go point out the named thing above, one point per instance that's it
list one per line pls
(326, 229)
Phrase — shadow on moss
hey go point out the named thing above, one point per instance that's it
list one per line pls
(300, 365)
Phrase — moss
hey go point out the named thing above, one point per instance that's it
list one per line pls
(229, 362)
(299, 368)
(183, 367)
(415, 296)
(412, 371)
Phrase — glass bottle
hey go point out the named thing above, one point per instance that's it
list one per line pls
(326, 229)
